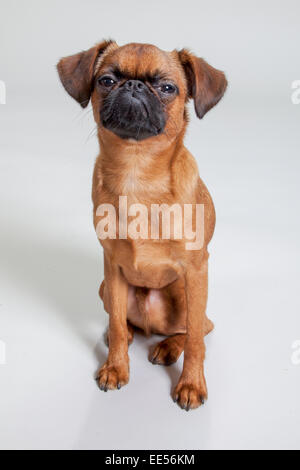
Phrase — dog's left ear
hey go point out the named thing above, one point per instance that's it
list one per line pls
(206, 85)
(76, 72)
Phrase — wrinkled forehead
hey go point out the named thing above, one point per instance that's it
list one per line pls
(141, 61)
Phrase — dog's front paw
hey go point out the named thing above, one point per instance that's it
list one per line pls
(112, 377)
(189, 396)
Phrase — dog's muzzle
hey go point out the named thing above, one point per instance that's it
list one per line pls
(133, 112)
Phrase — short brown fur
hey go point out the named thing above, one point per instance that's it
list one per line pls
(157, 286)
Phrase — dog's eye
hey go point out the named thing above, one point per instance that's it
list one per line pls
(168, 88)
(107, 81)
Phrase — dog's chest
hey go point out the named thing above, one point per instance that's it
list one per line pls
(135, 183)
(151, 274)
(145, 264)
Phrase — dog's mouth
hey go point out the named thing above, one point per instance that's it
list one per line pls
(133, 116)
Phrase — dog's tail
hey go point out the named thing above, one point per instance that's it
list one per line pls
(141, 295)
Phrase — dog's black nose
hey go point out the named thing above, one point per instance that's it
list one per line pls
(135, 85)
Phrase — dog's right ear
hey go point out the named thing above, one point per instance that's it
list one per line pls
(76, 72)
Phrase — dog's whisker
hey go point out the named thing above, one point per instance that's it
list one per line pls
(92, 133)
(82, 115)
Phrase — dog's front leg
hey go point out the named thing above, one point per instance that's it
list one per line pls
(115, 372)
(191, 390)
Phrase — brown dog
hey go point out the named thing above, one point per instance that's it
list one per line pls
(139, 95)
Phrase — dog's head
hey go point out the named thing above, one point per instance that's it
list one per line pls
(139, 91)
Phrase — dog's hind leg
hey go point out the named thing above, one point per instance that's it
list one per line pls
(209, 326)
(169, 350)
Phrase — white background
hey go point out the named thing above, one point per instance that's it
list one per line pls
(247, 148)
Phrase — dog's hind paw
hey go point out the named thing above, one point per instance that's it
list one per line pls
(168, 351)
